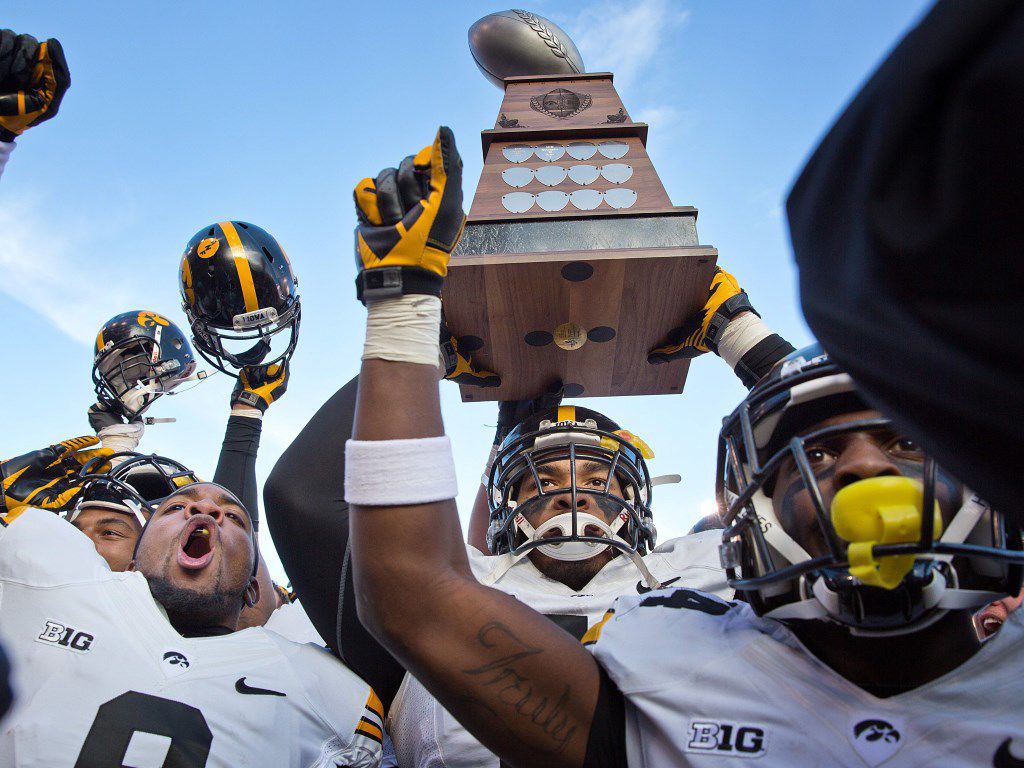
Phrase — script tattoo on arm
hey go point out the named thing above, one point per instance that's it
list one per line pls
(506, 679)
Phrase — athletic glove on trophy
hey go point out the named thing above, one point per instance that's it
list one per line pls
(458, 367)
(731, 328)
(701, 332)
(34, 77)
(48, 478)
(260, 385)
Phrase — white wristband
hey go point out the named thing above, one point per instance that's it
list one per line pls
(404, 329)
(121, 437)
(740, 336)
(248, 413)
(399, 472)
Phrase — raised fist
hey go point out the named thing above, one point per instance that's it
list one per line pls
(33, 79)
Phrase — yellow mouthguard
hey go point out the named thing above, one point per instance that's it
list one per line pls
(880, 510)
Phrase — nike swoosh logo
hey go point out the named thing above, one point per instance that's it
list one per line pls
(643, 589)
(241, 687)
(1003, 759)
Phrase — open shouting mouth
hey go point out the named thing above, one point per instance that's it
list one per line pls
(197, 541)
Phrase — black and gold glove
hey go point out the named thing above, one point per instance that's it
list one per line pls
(48, 478)
(410, 220)
(700, 333)
(458, 367)
(33, 79)
(260, 385)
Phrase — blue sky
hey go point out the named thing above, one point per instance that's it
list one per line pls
(186, 113)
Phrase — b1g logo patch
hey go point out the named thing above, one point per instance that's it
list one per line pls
(726, 739)
(62, 636)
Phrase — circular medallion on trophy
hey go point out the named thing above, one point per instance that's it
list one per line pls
(569, 336)
(516, 42)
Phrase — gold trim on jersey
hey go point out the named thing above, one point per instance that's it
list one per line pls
(594, 633)
(371, 724)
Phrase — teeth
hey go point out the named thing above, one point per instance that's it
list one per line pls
(991, 625)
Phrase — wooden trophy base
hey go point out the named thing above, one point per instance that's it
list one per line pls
(587, 317)
(574, 262)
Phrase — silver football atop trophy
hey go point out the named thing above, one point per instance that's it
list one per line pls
(515, 43)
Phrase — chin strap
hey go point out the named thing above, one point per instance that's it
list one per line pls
(562, 524)
(824, 604)
(255, 355)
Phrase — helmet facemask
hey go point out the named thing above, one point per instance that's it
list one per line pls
(574, 534)
(252, 340)
(129, 376)
(874, 562)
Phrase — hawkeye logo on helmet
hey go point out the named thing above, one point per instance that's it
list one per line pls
(257, 317)
(208, 247)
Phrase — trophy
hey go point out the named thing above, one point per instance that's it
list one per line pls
(574, 262)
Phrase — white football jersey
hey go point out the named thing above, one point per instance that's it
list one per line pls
(291, 622)
(709, 683)
(103, 679)
(425, 735)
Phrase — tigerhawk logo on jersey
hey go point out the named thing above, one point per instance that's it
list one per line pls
(55, 633)
(721, 737)
(875, 739)
(175, 663)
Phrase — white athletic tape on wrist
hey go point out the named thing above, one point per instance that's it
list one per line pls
(6, 147)
(121, 437)
(740, 336)
(404, 329)
(398, 472)
(249, 413)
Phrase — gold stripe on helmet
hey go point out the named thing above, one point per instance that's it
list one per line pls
(242, 266)
(99, 341)
(566, 413)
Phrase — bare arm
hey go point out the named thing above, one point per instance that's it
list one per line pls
(521, 685)
(479, 520)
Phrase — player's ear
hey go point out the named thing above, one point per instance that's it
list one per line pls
(252, 593)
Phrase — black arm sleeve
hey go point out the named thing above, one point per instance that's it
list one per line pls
(906, 229)
(236, 468)
(308, 518)
(761, 358)
(606, 744)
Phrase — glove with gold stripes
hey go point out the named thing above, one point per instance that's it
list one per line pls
(33, 79)
(701, 332)
(409, 222)
(260, 385)
(48, 478)
(458, 367)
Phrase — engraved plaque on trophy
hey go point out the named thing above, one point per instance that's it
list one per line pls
(574, 262)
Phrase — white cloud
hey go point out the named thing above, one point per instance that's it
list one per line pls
(625, 37)
(44, 268)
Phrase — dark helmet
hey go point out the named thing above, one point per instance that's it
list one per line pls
(130, 482)
(140, 355)
(237, 285)
(886, 567)
(574, 434)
